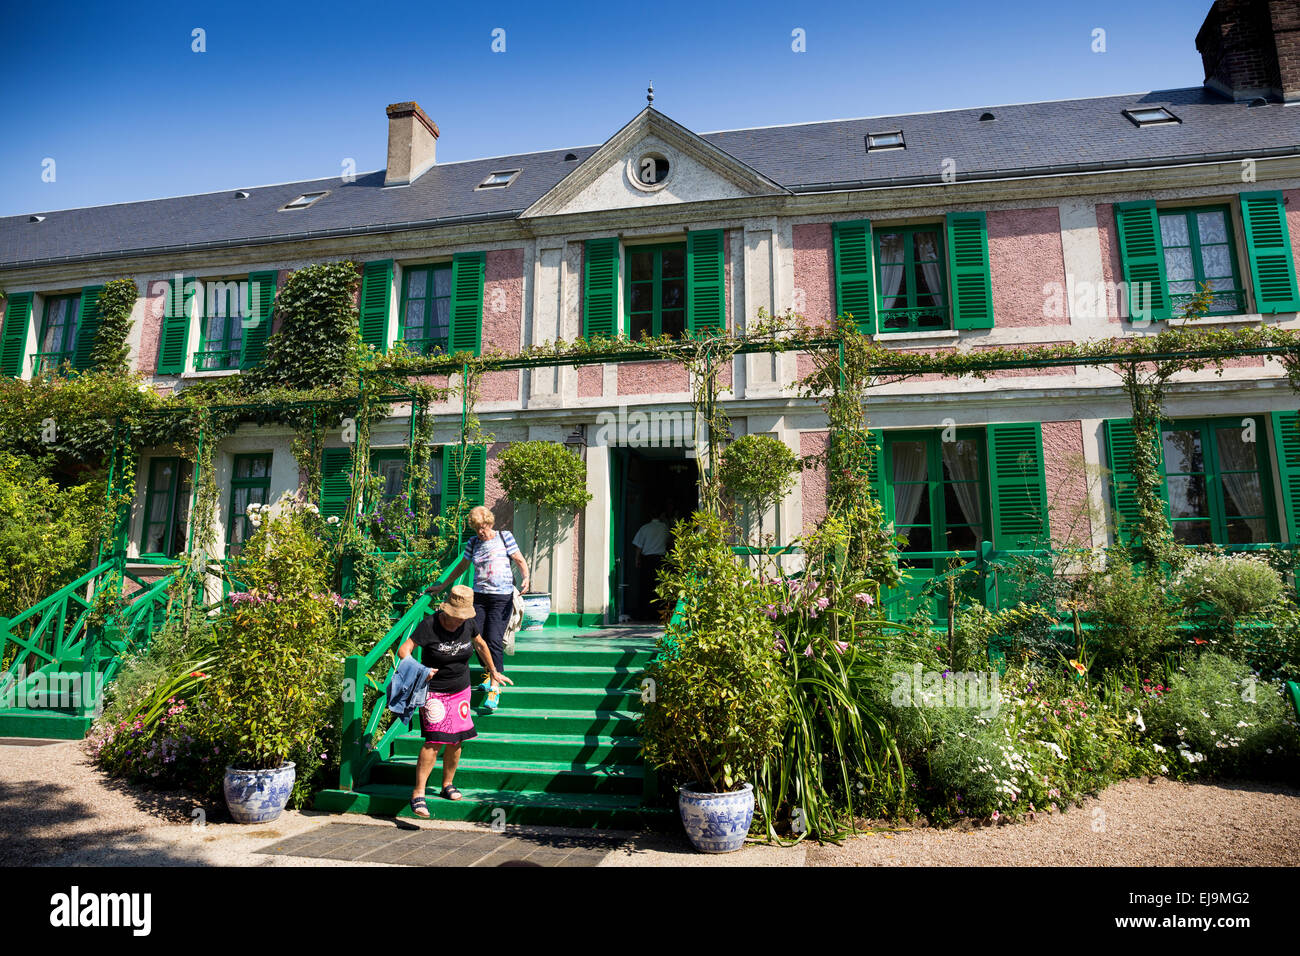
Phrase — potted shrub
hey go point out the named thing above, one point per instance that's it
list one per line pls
(545, 475)
(276, 648)
(718, 702)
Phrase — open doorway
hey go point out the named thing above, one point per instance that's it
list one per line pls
(643, 482)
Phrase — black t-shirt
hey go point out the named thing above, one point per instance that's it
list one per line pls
(448, 651)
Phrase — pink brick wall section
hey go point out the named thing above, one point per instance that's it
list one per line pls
(503, 311)
(1067, 484)
(591, 381)
(1025, 254)
(651, 378)
(1111, 269)
(814, 272)
(494, 497)
(155, 302)
(812, 483)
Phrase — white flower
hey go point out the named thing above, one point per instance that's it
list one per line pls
(1158, 748)
(332, 519)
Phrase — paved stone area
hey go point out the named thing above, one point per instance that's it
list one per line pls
(415, 846)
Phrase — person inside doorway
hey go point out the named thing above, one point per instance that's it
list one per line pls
(651, 544)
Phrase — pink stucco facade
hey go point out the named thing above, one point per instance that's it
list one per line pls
(494, 496)
(591, 381)
(814, 272)
(1112, 270)
(503, 316)
(1025, 253)
(154, 294)
(1067, 484)
(812, 482)
(650, 378)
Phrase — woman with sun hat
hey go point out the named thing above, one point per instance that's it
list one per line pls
(446, 639)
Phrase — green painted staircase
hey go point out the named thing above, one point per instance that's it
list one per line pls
(562, 749)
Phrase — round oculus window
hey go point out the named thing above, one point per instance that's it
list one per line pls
(649, 171)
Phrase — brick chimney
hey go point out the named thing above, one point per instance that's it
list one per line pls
(412, 144)
(1251, 48)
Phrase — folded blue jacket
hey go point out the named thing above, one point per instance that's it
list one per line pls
(409, 688)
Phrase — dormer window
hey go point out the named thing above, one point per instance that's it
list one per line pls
(1151, 116)
(499, 180)
(879, 142)
(303, 201)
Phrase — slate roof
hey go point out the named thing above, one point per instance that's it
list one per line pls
(1023, 139)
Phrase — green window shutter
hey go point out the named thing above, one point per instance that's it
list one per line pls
(1123, 484)
(1268, 246)
(1143, 257)
(1286, 437)
(335, 482)
(13, 345)
(87, 326)
(465, 333)
(474, 488)
(854, 288)
(261, 286)
(376, 289)
(600, 289)
(1018, 486)
(968, 266)
(706, 297)
(174, 342)
(876, 471)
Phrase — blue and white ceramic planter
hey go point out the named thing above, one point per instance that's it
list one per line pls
(717, 822)
(537, 608)
(258, 796)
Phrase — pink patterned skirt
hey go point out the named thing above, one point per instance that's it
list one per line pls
(445, 718)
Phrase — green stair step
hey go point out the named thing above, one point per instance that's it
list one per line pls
(548, 675)
(574, 748)
(583, 723)
(593, 810)
(562, 656)
(51, 724)
(523, 697)
(535, 775)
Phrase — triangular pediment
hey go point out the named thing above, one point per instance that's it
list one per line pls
(622, 173)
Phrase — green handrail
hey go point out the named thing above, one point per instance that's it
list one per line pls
(358, 730)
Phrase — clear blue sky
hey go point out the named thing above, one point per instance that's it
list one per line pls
(284, 92)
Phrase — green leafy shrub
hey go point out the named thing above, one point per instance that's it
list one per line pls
(318, 344)
(110, 352)
(1052, 740)
(838, 756)
(47, 532)
(274, 694)
(1134, 613)
(1217, 718)
(759, 470)
(719, 703)
(1235, 587)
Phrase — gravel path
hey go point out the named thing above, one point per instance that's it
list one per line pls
(1134, 823)
(57, 809)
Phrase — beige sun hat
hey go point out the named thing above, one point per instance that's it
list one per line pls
(460, 603)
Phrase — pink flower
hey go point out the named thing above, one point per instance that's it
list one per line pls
(807, 651)
(864, 598)
(841, 646)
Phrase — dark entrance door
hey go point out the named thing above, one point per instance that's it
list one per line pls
(644, 480)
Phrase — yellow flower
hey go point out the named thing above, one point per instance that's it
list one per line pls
(1078, 667)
